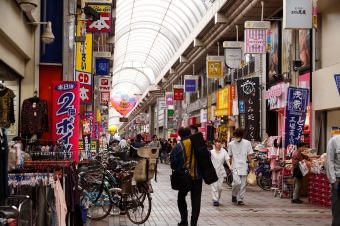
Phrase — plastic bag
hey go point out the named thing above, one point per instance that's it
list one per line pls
(303, 167)
(251, 178)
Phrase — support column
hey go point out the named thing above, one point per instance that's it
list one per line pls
(68, 40)
(263, 108)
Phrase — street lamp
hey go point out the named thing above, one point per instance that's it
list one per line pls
(47, 37)
(28, 6)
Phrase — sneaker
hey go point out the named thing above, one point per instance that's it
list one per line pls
(216, 203)
(299, 200)
(241, 203)
(183, 223)
(233, 199)
(296, 201)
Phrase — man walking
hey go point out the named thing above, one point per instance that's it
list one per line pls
(240, 151)
(180, 158)
(333, 174)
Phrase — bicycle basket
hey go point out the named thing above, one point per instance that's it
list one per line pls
(128, 188)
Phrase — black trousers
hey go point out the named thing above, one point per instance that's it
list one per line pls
(196, 193)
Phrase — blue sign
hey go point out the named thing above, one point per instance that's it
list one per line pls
(296, 109)
(337, 81)
(190, 85)
(102, 66)
(241, 102)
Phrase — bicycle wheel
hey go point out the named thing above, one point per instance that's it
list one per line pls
(138, 205)
(97, 210)
(265, 181)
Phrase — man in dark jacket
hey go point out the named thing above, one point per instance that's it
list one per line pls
(183, 149)
(135, 145)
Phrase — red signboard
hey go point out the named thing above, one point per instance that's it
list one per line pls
(89, 115)
(178, 94)
(104, 24)
(104, 97)
(192, 121)
(65, 121)
(85, 80)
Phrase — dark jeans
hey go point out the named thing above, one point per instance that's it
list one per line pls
(196, 193)
(335, 199)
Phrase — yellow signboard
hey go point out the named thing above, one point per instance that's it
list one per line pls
(221, 112)
(84, 49)
(215, 66)
(93, 145)
(223, 98)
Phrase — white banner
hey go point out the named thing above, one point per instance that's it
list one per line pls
(297, 14)
(233, 57)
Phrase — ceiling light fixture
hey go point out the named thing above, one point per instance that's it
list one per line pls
(28, 6)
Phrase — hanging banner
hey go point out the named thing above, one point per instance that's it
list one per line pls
(102, 66)
(89, 115)
(169, 98)
(337, 82)
(161, 103)
(104, 24)
(255, 41)
(83, 49)
(215, 66)
(296, 109)
(86, 132)
(248, 94)
(65, 120)
(95, 130)
(297, 14)
(85, 80)
(233, 57)
(190, 83)
(178, 94)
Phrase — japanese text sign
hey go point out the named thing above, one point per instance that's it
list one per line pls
(178, 94)
(249, 107)
(83, 49)
(65, 120)
(89, 115)
(102, 66)
(104, 97)
(190, 83)
(296, 109)
(225, 97)
(297, 14)
(104, 84)
(233, 57)
(85, 80)
(276, 96)
(337, 81)
(104, 24)
(215, 66)
(86, 131)
(169, 98)
(255, 41)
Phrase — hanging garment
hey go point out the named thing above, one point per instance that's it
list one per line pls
(4, 190)
(41, 204)
(60, 203)
(7, 108)
(51, 201)
(34, 116)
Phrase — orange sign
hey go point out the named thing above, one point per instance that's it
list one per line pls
(225, 98)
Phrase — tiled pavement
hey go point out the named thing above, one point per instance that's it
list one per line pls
(261, 208)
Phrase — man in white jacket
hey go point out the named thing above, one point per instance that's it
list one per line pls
(333, 174)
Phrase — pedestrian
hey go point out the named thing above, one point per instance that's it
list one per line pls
(179, 158)
(239, 151)
(122, 143)
(333, 174)
(134, 147)
(296, 158)
(219, 156)
(193, 129)
(154, 142)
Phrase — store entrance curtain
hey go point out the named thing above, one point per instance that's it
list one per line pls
(249, 108)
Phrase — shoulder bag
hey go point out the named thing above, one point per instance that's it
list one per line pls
(181, 179)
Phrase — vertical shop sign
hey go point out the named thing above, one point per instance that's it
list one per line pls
(95, 130)
(249, 102)
(86, 132)
(337, 82)
(255, 41)
(104, 24)
(169, 98)
(89, 115)
(85, 80)
(296, 109)
(104, 84)
(104, 97)
(178, 94)
(83, 49)
(102, 66)
(65, 119)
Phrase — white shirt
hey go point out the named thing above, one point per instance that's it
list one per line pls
(239, 151)
(333, 159)
(218, 159)
(122, 143)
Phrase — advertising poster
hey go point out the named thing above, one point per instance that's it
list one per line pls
(304, 47)
(274, 54)
(248, 94)
(296, 109)
(286, 44)
(66, 104)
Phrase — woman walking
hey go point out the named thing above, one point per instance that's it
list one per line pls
(219, 156)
